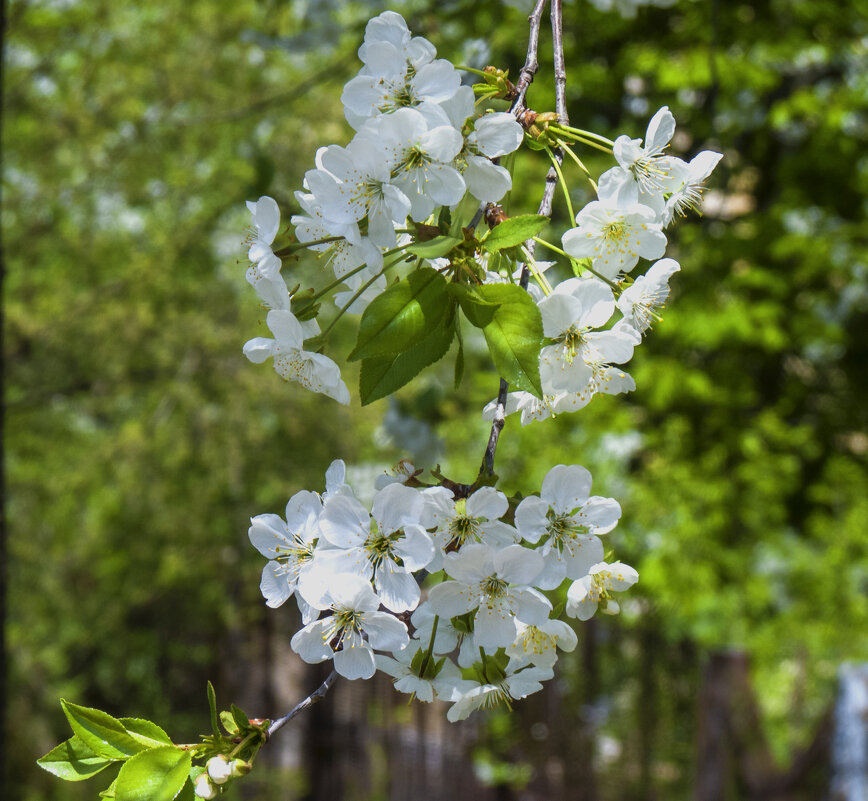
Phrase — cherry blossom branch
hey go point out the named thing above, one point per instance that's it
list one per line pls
(314, 697)
(531, 64)
(545, 207)
(560, 66)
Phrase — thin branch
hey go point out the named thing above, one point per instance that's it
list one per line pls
(531, 65)
(316, 695)
(545, 206)
(560, 66)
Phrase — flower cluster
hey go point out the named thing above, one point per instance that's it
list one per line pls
(446, 588)
(637, 200)
(468, 577)
(419, 146)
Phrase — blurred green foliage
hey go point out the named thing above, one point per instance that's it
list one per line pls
(139, 441)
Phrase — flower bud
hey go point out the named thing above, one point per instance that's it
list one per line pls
(219, 769)
(204, 787)
(239, 768)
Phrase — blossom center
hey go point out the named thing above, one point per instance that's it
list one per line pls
(494, 587)
(297, 551)
(346, 623)
(380, 546)
(462, 527)
(615, 232)
(564, 531)
(573, 341)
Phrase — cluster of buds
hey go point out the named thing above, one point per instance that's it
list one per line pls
(218, 771)
(495, 84)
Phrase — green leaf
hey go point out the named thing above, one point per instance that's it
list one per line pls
(228, 722)
(402, 315)
(103, 734)
(155, 775)
(514, 231)
(434, 248)
(477, 309)
(73, 761)
(146, 732)
(383, 375)
(212, 705)
(514, 335)
(240, 718)
(109, 791)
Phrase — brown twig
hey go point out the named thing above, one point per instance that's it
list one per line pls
(316, 695)
(531, 65)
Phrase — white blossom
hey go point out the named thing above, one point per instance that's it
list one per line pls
(640, 302)
(644, 172)
(467, 520)
(597, 587)
(615, 237)
(352, 632)
(354, 182)
(688, 193)
(399, 71)
(538, 645)
(266, 223)
(419, 158)
(313, 371)
(386, 545)
(264, 276)
(496, 585)
(570, 520)
(289, 546)
(518, 683)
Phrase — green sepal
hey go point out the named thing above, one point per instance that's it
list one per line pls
(103, 734)
(512, 232)
(73, 761)
(154, 775)
(402, 315)
(146, 732)
(382, 375)
(464, 623)
(314, 344)
(303, 306)
(212, 707)
(228, 722)
(434, 248)
(514, 335)
(579, 266)
(533, 144)
(416, 662)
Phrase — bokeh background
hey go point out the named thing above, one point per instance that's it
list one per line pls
(139, 441)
